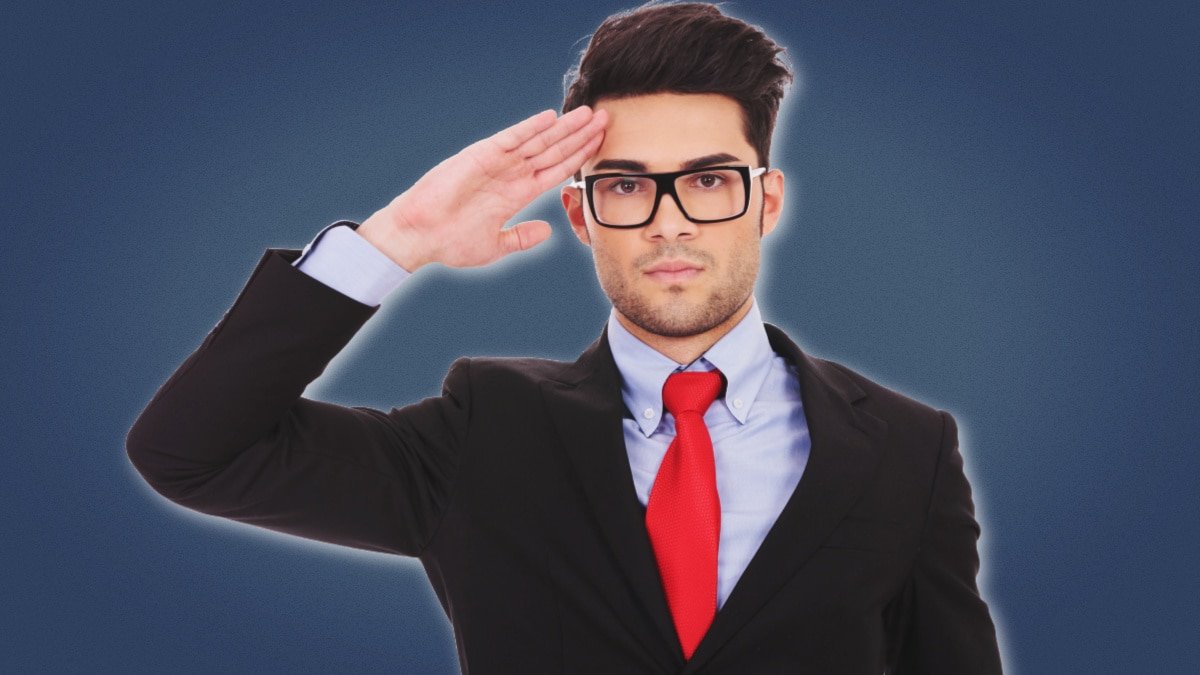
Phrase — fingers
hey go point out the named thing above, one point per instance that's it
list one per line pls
(563, 127)
(567, 147)
(524, 236)
(553, 175)
(512, 137)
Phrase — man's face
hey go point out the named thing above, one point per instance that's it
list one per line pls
(663, 132)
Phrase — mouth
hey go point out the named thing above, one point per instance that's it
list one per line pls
(673, 271)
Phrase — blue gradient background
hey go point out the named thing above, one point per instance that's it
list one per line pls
(992, 208)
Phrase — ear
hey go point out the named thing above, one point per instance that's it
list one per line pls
(772, 184)
(572, 201)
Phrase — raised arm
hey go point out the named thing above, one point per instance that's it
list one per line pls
(230, 434)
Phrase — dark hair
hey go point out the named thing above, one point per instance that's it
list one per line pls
(688, 47)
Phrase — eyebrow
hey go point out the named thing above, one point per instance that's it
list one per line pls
(634, 165)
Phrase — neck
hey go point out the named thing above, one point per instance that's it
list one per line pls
(683, 350)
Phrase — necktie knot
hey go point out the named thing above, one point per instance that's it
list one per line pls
(691, 391)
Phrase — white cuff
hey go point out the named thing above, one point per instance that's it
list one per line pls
(351, 265)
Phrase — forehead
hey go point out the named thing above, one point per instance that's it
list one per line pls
(664, 130)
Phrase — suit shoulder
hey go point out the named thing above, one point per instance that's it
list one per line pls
(916, 432)
(507, 373)
(882, 400)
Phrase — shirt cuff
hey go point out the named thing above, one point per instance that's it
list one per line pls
(351, 265)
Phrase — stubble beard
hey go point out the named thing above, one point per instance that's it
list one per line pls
(677, 316)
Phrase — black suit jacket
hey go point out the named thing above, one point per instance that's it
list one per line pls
(513, 489)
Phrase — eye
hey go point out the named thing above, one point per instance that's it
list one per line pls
(625, 186)
(708, 180)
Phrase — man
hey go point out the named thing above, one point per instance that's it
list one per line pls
(693, 494)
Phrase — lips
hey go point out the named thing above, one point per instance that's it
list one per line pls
(673, 270)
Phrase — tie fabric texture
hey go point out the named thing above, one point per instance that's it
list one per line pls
(683, 512)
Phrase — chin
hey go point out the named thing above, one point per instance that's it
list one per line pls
(676, 320)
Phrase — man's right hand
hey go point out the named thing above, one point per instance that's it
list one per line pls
(456, 212)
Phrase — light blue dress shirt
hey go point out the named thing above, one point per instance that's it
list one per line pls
(759, 431)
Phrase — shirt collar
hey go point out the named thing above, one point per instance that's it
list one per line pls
(743, 355)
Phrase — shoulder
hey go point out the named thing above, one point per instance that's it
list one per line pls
(508, 375)
(867, 395)
(909, 419)
(914, 437)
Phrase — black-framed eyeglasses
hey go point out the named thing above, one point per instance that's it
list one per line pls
(713, 194)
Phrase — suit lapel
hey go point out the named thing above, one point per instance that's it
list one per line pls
(843, 457)
(587, 408)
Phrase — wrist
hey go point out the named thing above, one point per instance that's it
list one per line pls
(387, 231)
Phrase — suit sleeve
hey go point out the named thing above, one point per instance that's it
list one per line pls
(230, 434)
(950, 630)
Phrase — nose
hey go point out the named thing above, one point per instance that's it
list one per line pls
(669, 222)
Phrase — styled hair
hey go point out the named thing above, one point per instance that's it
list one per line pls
(685, 48)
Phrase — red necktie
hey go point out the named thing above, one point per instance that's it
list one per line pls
(683, 513)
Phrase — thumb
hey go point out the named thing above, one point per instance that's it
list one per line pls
(524, 236)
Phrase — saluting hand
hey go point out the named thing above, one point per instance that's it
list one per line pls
(455, 213)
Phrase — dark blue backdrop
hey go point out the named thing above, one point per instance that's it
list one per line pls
(991, 208)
